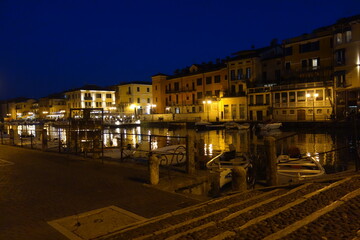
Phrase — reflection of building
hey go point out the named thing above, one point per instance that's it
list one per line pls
(133, 99)
(91, 96)
(52, 107)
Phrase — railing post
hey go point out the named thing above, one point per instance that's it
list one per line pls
(190, 155)
(121, 147)
(2, 137)
(12, 137)
(59, 143)
(44, 139)
(31, 141)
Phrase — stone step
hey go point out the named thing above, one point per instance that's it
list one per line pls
(147, 227)
(271, 213)
(293, 212)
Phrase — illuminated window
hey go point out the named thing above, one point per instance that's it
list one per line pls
(300, 96)
(339, 38)
(291, 96)
(248, 73)
(348, 36)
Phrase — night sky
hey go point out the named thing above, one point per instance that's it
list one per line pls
(47, 46)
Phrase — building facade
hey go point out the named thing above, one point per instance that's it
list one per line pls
(91, 96)
(134, 99)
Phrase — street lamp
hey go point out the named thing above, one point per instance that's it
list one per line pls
(312, 96)
(208, 102)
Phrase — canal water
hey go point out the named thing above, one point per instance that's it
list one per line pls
(333, 148)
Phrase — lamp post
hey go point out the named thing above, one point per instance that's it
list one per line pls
(208, 102)
(312, 96)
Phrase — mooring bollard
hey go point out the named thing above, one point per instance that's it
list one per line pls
(214, 184)
(238, 179)
(271, 165)
(154, 163)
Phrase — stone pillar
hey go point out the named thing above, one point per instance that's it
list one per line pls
(190, 155)
(271, 164)
(154, 163)
(238, 179)
(44, 140)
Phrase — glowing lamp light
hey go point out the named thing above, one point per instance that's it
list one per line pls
(209, 101)
(132, 106)
(45, 112)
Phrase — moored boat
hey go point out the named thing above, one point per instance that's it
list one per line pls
(293, 169)
(226, 161)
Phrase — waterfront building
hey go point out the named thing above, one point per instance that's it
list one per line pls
(192, 93)
(134, 99)
(347, 66)
(26, 109)
(91, 96)
(259, 104)
(312, 101)
(52, 107)
(308, 57)
(17, 108)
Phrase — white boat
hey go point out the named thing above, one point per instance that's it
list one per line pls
(238, 126)
(269, 126)
(171, 155)
(226, 161)
(296, 169)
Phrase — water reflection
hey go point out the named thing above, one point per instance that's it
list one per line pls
(330, 147)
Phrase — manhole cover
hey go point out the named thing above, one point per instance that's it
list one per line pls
(96, 223)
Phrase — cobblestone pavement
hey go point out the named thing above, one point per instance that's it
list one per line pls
(40, 187)
(324, 210)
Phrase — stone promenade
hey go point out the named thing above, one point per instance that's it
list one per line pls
(38, 187)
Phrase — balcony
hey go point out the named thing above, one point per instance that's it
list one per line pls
(236, 94)
(184, 89)
(88, 98)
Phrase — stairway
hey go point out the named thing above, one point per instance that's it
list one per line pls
(318, 210)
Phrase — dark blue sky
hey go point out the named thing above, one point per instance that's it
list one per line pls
(47, 46)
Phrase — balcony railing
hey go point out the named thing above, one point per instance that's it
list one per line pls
(236, 94)
(88, 98)
(184, 89)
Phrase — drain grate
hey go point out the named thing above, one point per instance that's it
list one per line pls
(96, 223)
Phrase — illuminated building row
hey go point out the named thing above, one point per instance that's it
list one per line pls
(311, 77)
